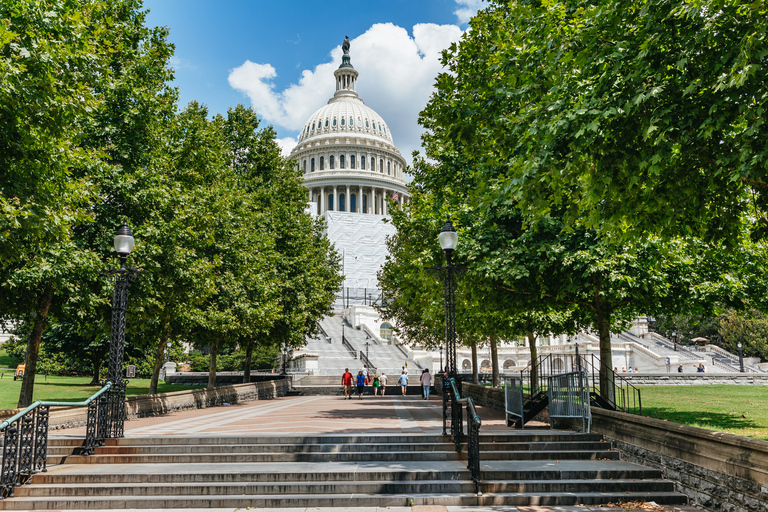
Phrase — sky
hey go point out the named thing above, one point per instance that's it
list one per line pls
(279, 56)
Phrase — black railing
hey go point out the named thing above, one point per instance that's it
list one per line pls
(473, 430)
(347, 345)
(25, 438)
(617, 393)
(367, 362)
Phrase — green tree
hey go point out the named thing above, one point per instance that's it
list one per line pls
(636, 117)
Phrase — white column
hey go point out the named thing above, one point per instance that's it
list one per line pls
(322, 200)
(310, 194)
(335, 200)
(360, 200)
(386, 206)
(375, 202)
(347, 201)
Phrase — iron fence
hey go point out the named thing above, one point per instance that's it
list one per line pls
(569, 398)
(514, 403)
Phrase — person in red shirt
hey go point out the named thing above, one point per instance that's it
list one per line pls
(346, 383)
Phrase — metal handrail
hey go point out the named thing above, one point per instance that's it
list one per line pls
(25, 440)
(37, 404)
(473, 432)
(348, 346)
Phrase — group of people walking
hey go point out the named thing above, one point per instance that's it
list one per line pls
(379, 382)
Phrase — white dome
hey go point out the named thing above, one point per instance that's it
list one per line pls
(348, 115)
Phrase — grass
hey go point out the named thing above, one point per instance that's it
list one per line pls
(7, 361)
(739, 410)
(70, 389)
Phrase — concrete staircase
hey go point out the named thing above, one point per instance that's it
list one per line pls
(518, 468)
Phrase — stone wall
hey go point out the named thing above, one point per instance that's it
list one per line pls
(717, 471)
(155, 405)
(694, 379)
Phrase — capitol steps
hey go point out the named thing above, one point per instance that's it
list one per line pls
(177, 472)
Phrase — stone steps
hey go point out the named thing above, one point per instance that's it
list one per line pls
(336, 500)
(556, 468)
(335, 487)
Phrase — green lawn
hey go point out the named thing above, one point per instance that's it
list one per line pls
(72, 389)
(740, 410)
(6, 361)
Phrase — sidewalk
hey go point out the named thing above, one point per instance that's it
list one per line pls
(305, 414)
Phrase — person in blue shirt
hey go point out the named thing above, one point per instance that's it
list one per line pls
(360, 384)
(403, 382)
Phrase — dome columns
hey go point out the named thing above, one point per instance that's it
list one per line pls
(374, 199)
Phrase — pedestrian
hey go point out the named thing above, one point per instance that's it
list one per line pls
(383, 383)
(422, 387)
(403, 382)
(376, 384)
(365, 373)
(680, 369)
(346, 383)
(426, 382)
(700, 369)
(360, 384)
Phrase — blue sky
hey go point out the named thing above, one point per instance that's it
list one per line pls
(279, 56)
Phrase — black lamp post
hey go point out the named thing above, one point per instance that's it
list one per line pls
(741, 358)
(448, 239)
(367, 344)
(123, 244)
(674, 340)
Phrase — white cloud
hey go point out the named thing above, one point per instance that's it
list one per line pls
(286, 145)
(397, 73)
(468, 9)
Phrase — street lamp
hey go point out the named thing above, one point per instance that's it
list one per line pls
(367, 344)
(123, 244)
(449, 239)
(674, 340)
(741, 358)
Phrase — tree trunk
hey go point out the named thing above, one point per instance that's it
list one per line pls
(495, 363)
(159, 357)
(96, 364)
(607, 388)
(475, 371)
(212, 368)
(248, 361)
(33, 347)
(534, 363)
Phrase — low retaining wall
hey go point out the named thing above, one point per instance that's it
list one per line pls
(695, 379)
(717, 471)
(155, 405)
(222, 378)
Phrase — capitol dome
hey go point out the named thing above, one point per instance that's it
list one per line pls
(347, 154)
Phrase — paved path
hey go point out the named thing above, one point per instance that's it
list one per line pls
(305, 414)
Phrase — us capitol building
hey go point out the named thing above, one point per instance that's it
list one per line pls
(351, 168)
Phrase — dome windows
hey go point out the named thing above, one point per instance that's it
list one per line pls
(359, 123)
(373, 164)
(389, 168)
(322, 162)
(334, 122)
(351, 161)
(351, 122)
(366, 123)
(341, 158)
(362, 162)
(342, 121)
(381, 165)
(326, 123)
(313, 126)
(331, 162)
(312, 165)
